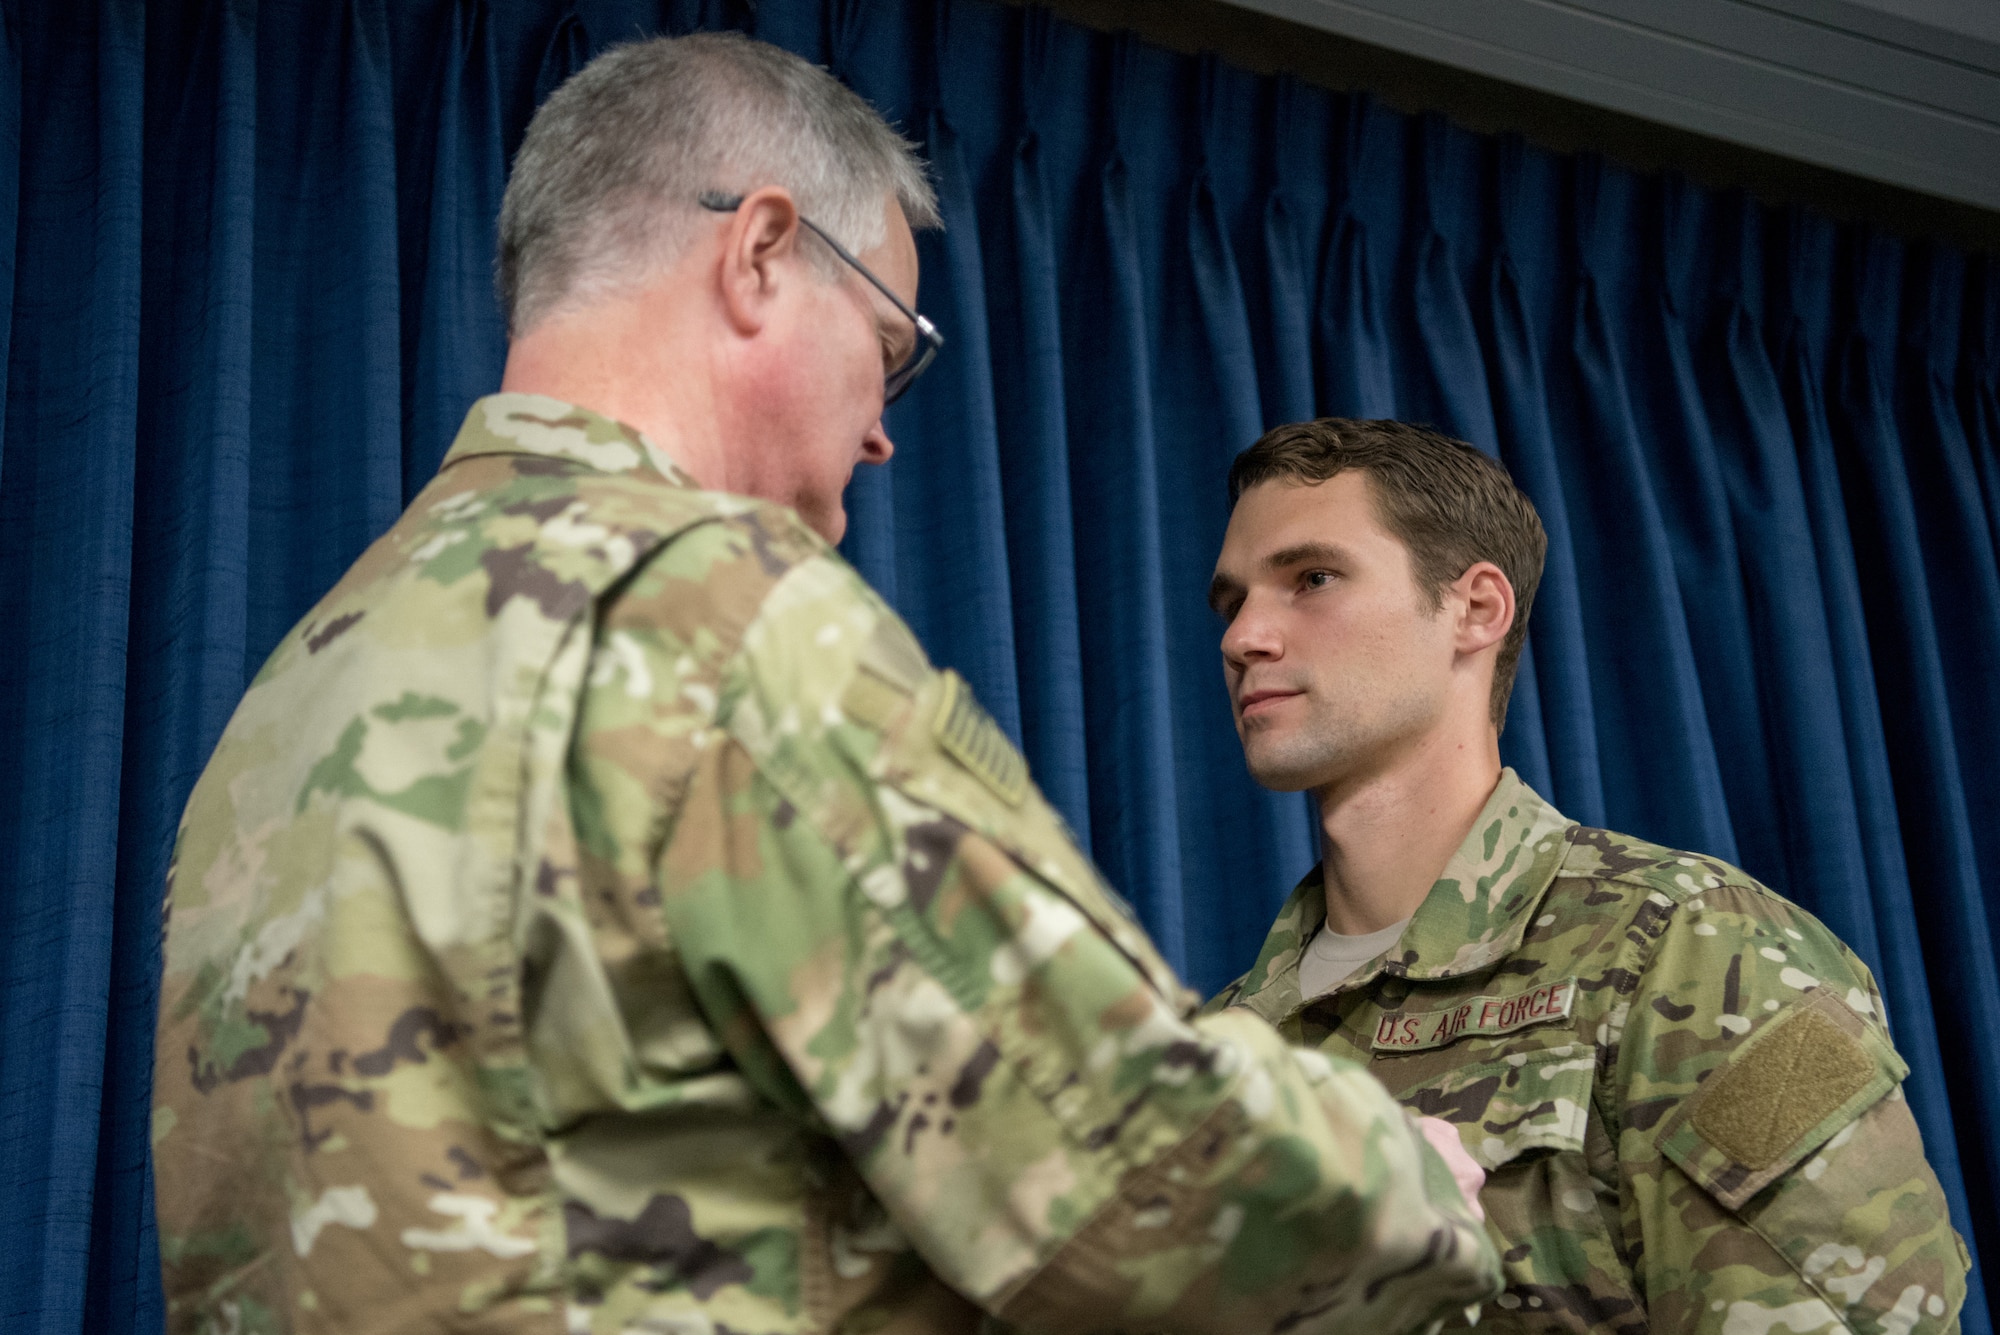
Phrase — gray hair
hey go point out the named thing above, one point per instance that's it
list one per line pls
(606, 183)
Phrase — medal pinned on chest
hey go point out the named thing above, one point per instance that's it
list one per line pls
(1487, 1017)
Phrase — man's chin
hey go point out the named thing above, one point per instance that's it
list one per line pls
(1280, 777)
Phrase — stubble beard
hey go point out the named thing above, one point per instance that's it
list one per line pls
(1327, 746)
(1291, 760)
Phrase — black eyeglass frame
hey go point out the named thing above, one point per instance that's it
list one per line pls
(929, 340)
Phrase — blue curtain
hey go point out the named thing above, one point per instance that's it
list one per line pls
(244, 255)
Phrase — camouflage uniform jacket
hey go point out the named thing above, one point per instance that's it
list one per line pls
(1680, 1086)
(599, 917)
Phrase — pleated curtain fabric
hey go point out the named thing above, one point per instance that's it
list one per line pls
(245, 264)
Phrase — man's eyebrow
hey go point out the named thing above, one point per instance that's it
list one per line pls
(1298, 554)
(1302, 553)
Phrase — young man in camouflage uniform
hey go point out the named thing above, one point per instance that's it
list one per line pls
(1679, 1084)
(599, 917)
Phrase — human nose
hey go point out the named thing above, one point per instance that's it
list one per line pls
(876, 447)
(1251, 636)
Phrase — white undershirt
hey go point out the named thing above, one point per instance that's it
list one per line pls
(1330, 958)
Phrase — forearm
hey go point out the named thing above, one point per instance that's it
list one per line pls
(1060, 1142)
(1306, 1199)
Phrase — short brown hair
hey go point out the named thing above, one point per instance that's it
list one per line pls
(1449, 504)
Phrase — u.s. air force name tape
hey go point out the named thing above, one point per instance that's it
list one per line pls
(1411, 1031)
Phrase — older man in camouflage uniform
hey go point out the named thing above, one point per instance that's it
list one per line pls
(599, 917)
(1680, 1084)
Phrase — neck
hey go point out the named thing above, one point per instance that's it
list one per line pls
(631, 362)
(1386, 836)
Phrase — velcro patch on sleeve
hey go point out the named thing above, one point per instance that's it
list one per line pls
(968, 734)
(1806, 1066)
(1413, 1031)
(1784, 1090)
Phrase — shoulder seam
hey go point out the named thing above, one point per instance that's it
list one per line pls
(1658, 873)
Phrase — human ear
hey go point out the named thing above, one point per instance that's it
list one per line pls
(763, 234)
(1486, 607)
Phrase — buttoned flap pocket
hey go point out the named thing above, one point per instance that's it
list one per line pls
(1508, 1105)
(1784, 1090)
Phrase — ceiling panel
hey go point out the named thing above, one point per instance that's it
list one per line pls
(1902, 91)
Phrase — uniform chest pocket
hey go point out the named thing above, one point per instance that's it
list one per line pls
(1511, 1104)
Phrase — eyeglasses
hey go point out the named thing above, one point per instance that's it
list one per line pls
(929, 340)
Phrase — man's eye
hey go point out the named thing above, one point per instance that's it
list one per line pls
(895, 351)
(1316, 579)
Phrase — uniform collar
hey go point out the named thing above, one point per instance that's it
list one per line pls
(1474, 916)
(537, 424)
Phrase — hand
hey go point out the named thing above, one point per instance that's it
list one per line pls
(1470, 1177)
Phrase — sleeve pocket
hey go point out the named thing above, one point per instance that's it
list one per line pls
(1784, 1091)
(950, 757)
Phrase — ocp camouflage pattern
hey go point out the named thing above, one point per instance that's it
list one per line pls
(1701, 1129)
(600, 917)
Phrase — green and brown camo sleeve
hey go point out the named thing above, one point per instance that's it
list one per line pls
(1772, 1175)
